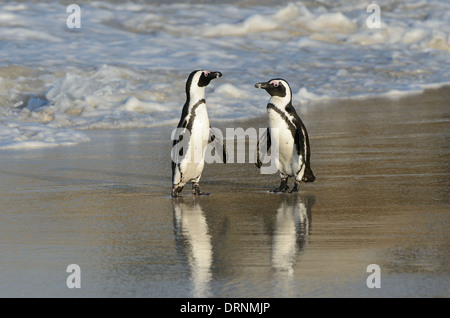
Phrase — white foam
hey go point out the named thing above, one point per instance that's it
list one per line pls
(396, 94)
(332, 22)
(15, 135)
(303, 96)
(254, 24)
(127, 65)
(232, 91)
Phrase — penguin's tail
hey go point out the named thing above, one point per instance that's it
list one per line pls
(308, 176)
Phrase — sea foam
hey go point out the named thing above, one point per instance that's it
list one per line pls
(127, 65)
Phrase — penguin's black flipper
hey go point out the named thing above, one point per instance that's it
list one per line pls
(269, 140)
(260, 153)
(303, 148)
(217, 137)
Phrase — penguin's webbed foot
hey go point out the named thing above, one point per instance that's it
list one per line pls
(176, 191)
(283, 186)
(296, 187)
(196, 190)
(283, 190)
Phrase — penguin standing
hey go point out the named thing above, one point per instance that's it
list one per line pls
(293, 158)
(192, 134)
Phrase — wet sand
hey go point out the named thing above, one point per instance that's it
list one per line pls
(381, 196)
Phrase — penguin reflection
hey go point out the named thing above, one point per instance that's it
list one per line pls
(291, 232)
(191, 235)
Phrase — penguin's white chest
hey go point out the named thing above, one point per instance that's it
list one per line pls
(200, 129)
(282, 139)
(193, 164)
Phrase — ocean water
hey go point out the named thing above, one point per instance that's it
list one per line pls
(126, 64)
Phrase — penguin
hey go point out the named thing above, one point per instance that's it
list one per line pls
(193, 134)
(193, 239)
(294, 152)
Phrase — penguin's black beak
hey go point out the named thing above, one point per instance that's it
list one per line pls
(215, 75)
(263, 85)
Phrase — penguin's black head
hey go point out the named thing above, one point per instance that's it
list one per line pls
(206, 77)
(200, 78)
(276, 87)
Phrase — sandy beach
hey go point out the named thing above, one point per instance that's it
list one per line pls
(381, 197)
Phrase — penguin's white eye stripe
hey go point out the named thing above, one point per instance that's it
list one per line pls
(274, 83)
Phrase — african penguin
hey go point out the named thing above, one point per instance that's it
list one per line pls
(192, 134)
(293, 158)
